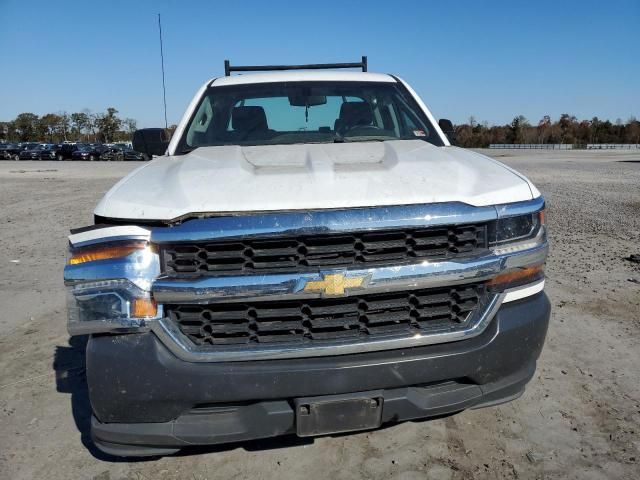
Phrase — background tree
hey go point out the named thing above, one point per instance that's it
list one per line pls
(80, 124)
(567, 124)
(517, 129)
(26, 126)
(544, 129)
(7, 131)
(594, 130)
(91, 124)
(632, 131)
(65, 125)
(49, 127)
(108, 125)
(130, 126)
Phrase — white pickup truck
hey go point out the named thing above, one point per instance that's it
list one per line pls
(308, 255)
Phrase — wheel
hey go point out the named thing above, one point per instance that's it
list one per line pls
(16, 157)
(92, 158)
(59, 157)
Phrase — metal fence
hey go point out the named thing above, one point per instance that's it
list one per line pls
(532, 146)
(613, 146)
(564, 146)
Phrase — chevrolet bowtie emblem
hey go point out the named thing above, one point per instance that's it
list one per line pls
(334, 284)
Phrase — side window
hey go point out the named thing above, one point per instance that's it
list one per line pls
(412, 126)
(201, 123)
(390, 119)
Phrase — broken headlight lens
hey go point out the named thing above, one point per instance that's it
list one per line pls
(108, 306)
(520, 232)
(109, 285)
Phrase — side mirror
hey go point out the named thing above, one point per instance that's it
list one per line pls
(152, 141)
(447, 127)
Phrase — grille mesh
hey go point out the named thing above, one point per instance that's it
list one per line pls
(358, 318)
(305, 253)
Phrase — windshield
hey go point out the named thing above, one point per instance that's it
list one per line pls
(306, 112)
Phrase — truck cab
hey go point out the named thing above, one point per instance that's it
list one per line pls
(307, 255)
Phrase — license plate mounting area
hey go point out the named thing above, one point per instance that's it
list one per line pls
(330, 414)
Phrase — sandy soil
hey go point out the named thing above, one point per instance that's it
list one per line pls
(580, 417)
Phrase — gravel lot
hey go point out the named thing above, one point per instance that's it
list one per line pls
(580, 417)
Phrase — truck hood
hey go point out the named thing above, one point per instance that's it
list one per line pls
(311, 177)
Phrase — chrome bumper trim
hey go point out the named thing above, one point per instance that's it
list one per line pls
(378, 280)
(323, 222)
(171, 336)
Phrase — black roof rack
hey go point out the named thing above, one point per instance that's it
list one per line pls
(312, 66)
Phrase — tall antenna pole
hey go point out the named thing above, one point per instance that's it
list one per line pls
(164, 90)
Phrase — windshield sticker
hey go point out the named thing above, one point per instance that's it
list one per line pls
(419, 133)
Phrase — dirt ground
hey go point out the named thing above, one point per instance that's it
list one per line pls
(580, 417)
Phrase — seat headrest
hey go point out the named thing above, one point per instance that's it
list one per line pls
(249, 119)
(356, 113)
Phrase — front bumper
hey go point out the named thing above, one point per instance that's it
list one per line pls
(146, 401)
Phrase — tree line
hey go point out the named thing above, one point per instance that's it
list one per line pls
(82, 126)
(567, 129)
(109, 127)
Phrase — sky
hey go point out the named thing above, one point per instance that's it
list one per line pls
(491, 60)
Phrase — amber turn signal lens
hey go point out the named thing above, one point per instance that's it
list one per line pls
(542, 217)
(91, 254)
(144, 307)
(516, 277)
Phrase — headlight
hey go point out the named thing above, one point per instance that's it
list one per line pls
(108, 306)
(517, 234)
(105, 251)
(109, 280)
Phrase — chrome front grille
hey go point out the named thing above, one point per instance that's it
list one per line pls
(355, 318)
(271, 285)
(303, 253)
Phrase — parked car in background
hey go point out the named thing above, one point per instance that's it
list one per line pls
(63, 151)
(9, 151)
(49, 152)
(91, 152)
(118, 153)
(28, 145)
(32, 152)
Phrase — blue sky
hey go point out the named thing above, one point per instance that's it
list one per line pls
(492, 60)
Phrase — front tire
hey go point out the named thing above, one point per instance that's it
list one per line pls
(16, 157)
(92, 158)
(59, 157)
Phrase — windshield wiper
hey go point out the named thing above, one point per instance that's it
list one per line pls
(368, 139)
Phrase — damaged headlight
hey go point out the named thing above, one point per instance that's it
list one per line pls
(109, 306)
(109, 281)
(516, 233)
